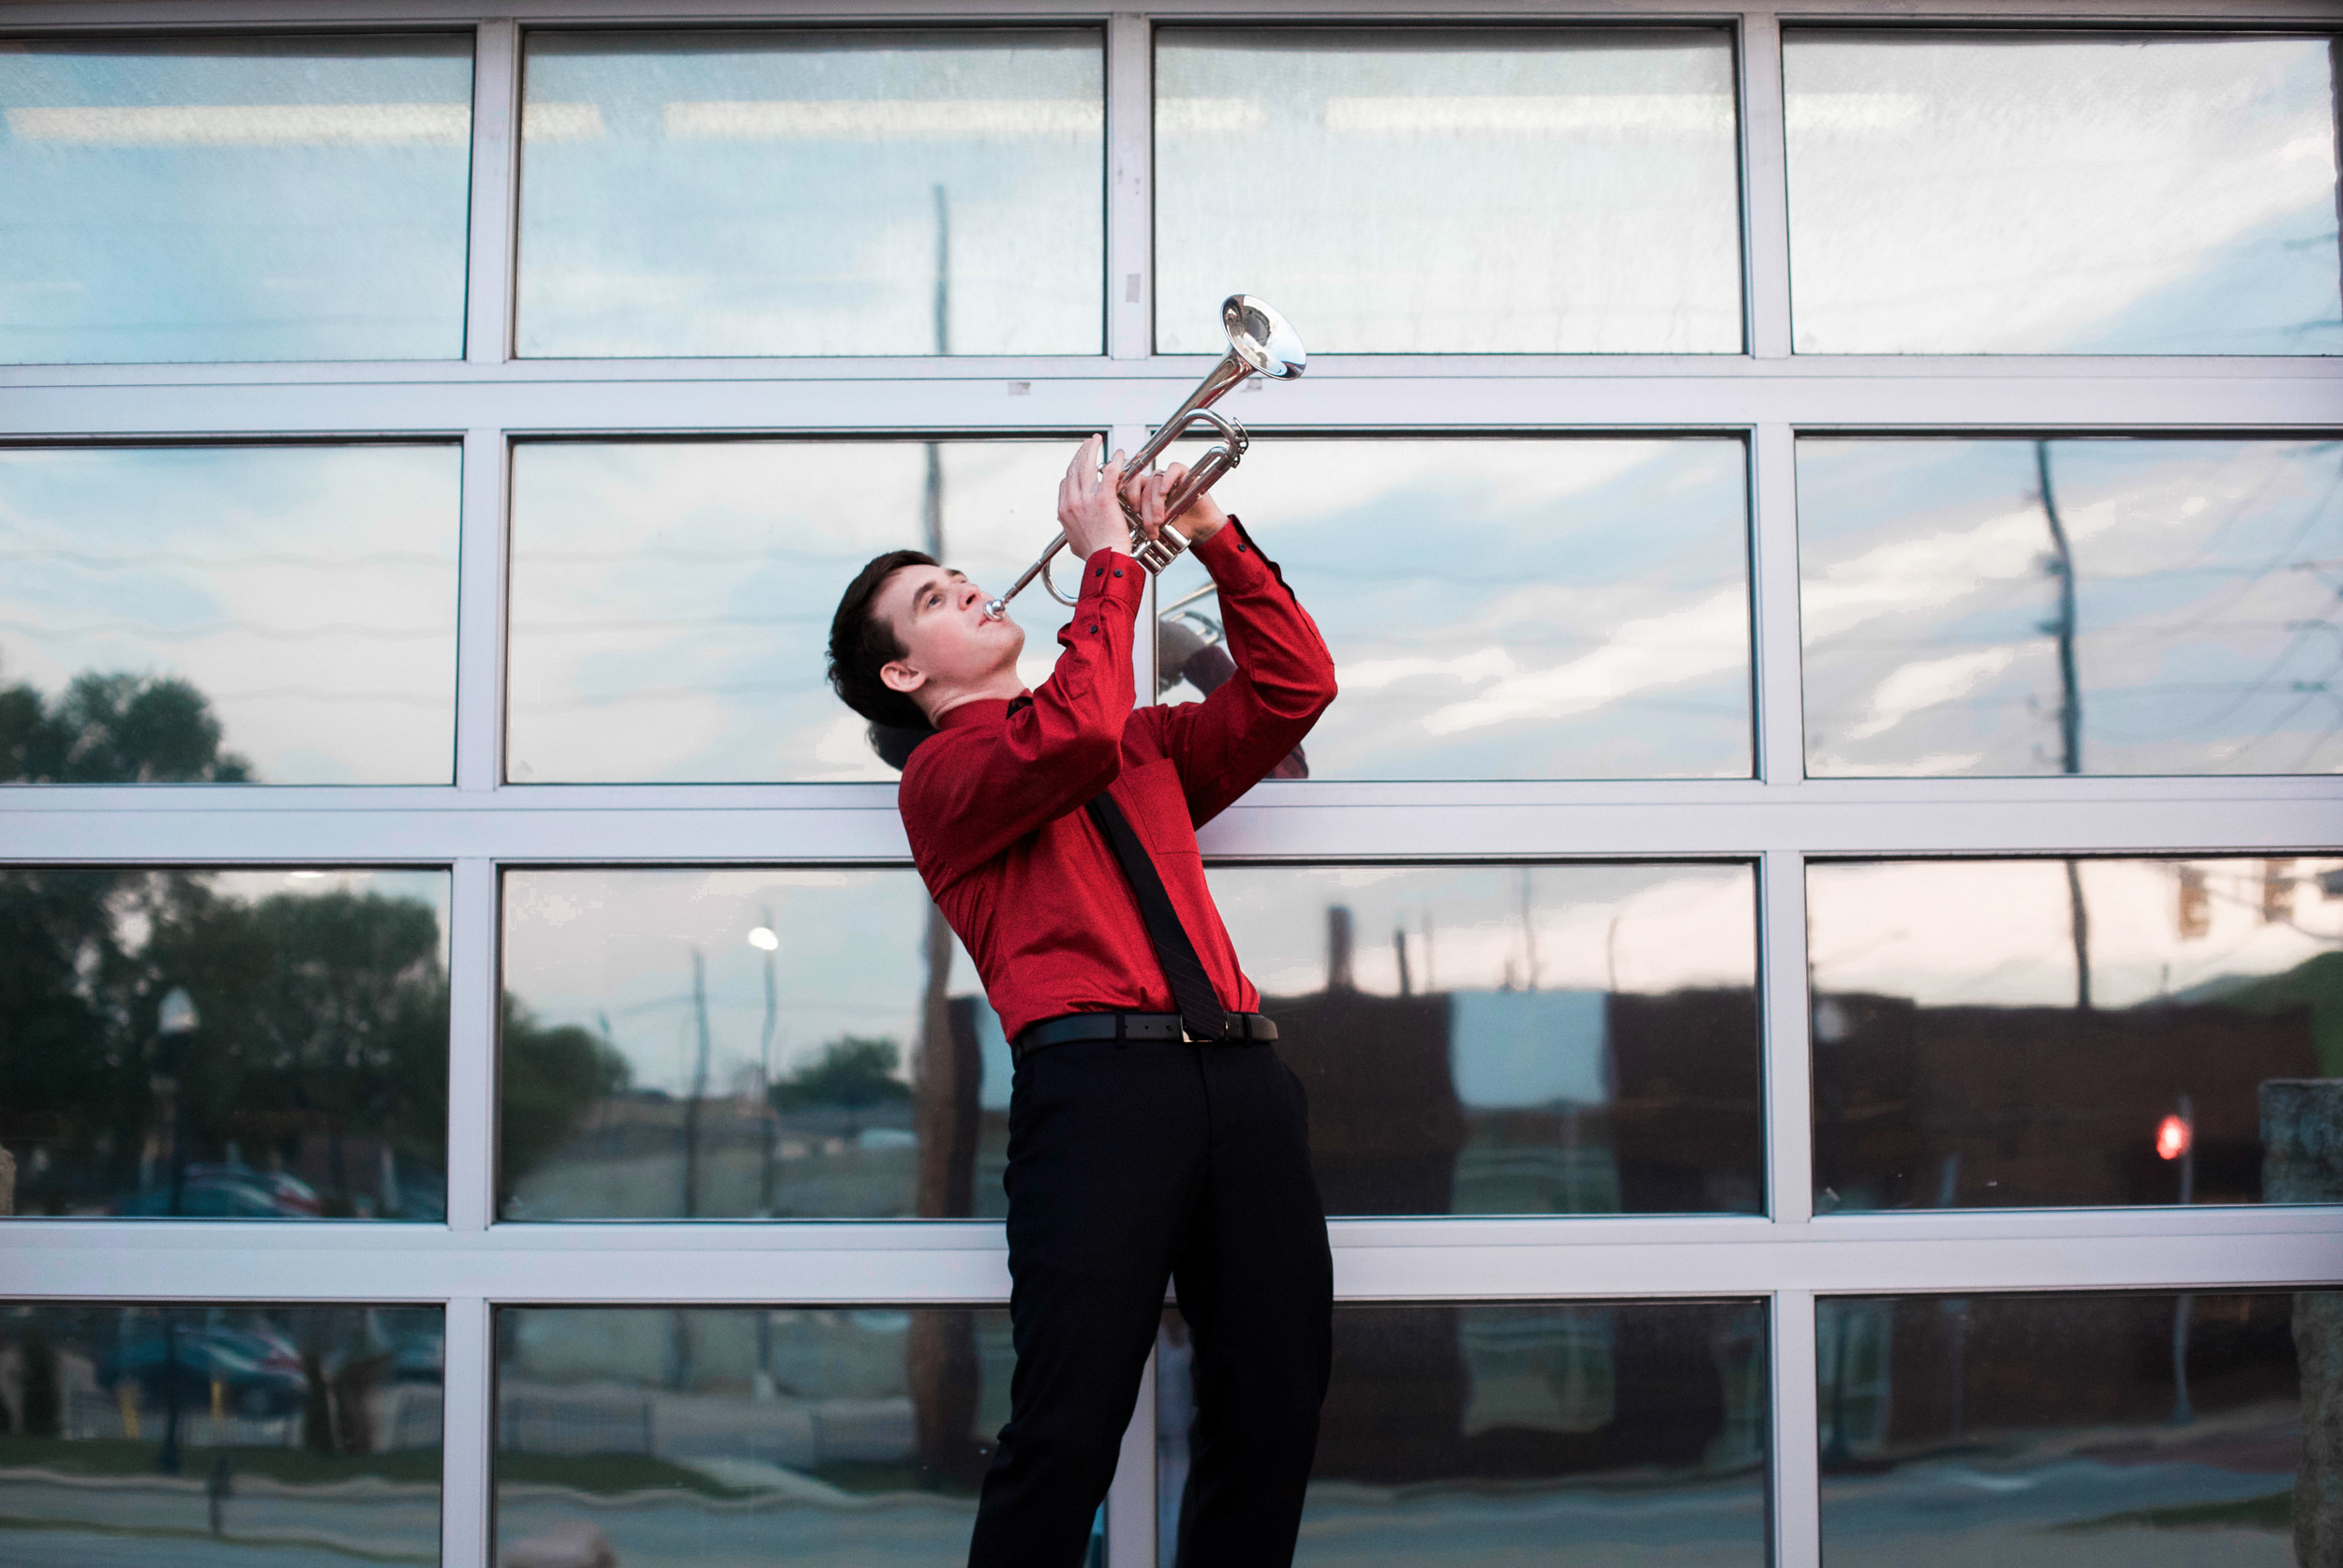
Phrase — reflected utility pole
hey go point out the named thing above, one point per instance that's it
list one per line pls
(2062, 566)
(943, 346)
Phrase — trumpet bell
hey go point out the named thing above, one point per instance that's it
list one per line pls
(1263, 338)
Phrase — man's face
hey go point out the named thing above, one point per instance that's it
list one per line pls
(948, 643)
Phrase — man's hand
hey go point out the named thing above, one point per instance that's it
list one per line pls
(1087, 508)
(1148, 492)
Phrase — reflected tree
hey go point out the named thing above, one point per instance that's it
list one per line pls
(552, 1078)
(114, 728)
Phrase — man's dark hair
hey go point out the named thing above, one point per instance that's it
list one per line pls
(862, 643)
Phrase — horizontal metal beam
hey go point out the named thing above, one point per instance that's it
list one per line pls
(1335, 822)
(1374, 1259)
(196, 13)
(794, 399)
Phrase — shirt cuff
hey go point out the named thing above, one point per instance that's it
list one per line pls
(1234, 560)
(1112, 581)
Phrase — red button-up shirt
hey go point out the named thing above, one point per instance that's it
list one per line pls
(992, 803)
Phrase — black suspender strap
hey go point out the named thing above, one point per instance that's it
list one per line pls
(1191, 988)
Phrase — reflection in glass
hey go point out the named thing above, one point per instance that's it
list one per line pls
(199, 1433)
(1506, 609)
(1491, 191)
(671, 600)
(704, 1044)
(2071, 606)
(225, 1044)
(280, 615)
(1530, 1433)
(2025, 1033)
(674, 1438)
(233, 198)
(2134, 1429)
(2024, 193)
(1513, 1040)
(813, 193)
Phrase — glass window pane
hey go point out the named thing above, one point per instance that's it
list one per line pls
(1409, 190)
(198, 1433)
(1504, 609)
(225, 1044)
(2071, 606)
(248, 614)
(2039, 1430)
(813, 193)
(707, 1044)
(172, 199)
(1576, 1434)
(1515, 1039)
(1993, 1034)
(2034, 193)
(674, 1438)
(671, 600)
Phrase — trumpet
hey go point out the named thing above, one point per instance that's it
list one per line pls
(1261, 343)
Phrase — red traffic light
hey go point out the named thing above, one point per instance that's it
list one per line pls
(2173, 1137)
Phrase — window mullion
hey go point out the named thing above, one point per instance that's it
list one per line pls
(1780, 737)
(472, 1091)
(1796, 1511)
(1130, 189)
(1788, 1049)
(479, 613)
(469, 1407)
(494, 143)
(1765, 188)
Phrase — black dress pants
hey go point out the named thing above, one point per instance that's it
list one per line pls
(1129, 1164)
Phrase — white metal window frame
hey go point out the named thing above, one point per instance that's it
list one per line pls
(477, 826)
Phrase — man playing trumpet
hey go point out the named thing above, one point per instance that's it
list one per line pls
(1153, 1134)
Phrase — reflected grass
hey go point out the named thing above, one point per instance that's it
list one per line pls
(292, 1466)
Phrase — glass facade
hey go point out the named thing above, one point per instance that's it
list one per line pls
(1813, 856)
(811, 193)
(2015, 192)
(1493, 612)
(2025, 1033)
(227, 614)
(236, 198)
(1532, 1432)
(196, 1433)
(2070, 606)
(666, 622)
(2149, 1427)
(197, 1044)
(674, 1438)
(1501, 190)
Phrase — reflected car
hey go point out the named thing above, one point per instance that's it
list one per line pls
(227, 1192)
(258, 1368)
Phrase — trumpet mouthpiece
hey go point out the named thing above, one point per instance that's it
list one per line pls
(994, 608)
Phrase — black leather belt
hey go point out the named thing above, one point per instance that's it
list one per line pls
(1240, 1028)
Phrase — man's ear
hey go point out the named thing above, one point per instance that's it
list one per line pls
(900, 676)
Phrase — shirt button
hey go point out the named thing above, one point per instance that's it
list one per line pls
(1093, 625)
(1118, 571)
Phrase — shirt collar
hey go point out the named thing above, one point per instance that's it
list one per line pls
(983, 710)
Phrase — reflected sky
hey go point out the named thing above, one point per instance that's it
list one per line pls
(811, 193)
(1954, 194)
(1618, 928)
(1955, 933)
(308, 592)
(586, 946)
(2208, 578)
(671, 600)
(247, 199)
(1412, 191)
(1512, 608)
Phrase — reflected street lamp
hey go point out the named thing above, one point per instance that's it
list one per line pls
(174, 1027)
